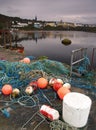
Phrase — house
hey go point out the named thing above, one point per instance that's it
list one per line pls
(79, 25)
(37, 25)
(22, 24)
(65, 24)
(52, 24)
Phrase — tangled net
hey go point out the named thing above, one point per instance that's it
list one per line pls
(20, 74)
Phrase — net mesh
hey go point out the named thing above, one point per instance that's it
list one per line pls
(20, 74)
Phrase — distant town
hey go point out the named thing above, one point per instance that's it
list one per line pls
(16, 23)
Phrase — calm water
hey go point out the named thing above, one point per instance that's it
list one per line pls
(49, 44)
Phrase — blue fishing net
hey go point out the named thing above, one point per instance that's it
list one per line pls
(82, 67)
(20, 74)
(87, 79)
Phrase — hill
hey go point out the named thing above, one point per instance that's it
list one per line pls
(5, 21)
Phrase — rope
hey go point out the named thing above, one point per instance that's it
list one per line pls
(60, 125)
(27, 122)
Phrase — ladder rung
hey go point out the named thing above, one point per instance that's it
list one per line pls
(78, 61)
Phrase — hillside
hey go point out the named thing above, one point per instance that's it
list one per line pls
(5, 21)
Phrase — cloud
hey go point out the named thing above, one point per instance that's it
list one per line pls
(73, 10)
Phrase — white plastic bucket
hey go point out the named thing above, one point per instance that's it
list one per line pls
(76, 109)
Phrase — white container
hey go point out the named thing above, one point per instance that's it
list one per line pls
(76, 109)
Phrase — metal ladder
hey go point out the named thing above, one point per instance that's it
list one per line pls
(77, 56)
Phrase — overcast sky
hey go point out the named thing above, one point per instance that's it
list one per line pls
(66, 10)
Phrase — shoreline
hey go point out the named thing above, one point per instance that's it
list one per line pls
(31, 31)
(10, 55)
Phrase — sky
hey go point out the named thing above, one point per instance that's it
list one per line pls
(77, 11)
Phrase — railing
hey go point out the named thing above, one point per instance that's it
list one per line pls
(92, 58)
(77, 56)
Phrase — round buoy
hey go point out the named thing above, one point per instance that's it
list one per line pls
(33, 84)
(15, 92)
(52, 81)
(62, 92)
(67, 85)
(42, 82)
(60, 81)
(29, 90)
(56, 86)
(7, 89)
(26, 60)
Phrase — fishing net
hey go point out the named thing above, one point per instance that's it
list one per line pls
(82, 67)
(20, 74)
(87, 78)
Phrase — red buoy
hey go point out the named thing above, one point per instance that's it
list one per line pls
(56, 86)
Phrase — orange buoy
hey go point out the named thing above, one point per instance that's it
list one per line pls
(26, 60)
(42, 82)
(62, 92)
(7, 89)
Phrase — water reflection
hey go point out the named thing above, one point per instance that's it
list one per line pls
(9, 41)
(48, 43)
(37, 35)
